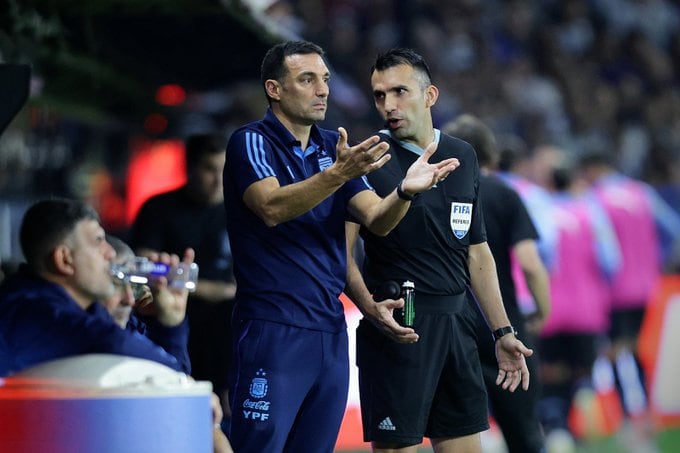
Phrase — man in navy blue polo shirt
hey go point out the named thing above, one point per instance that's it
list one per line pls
(289, 187)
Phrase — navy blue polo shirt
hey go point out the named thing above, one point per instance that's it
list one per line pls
(294, 272)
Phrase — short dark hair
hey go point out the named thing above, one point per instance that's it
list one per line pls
(562, 177)
(513, 150)
(273, 66)
(402, 55)
(472, 130)
(46, 223)
(198, 145)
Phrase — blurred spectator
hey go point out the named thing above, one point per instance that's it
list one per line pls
(515, 168)
(193, 216)
(603, 72)
(120, 305)
(122, 301)
(586, 256)
(638, 214)
(127, 294)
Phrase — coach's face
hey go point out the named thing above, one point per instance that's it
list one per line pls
(302, 93)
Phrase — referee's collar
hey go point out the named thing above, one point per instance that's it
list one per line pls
(415, 149)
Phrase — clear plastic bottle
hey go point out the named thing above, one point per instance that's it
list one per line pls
(142, 270)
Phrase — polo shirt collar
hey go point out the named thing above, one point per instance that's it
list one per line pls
(280, 130)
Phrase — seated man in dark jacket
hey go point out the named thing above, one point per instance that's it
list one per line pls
(49, 309)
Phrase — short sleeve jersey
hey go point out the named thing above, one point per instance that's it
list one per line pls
(294, 272)
(430, 245)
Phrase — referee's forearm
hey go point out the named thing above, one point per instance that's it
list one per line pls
(484, 281)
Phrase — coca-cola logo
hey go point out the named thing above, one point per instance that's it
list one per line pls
(258, 405)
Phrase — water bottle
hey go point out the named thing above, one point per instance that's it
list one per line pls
(408, 292)
(142, 270)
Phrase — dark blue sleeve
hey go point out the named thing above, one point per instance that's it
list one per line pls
(134, 324)
(350, 189)
(114, 340)
(248, 159)
(173, 340)
(356, 185)
(44, 330)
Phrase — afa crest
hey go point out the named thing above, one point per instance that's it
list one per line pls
(259, 385)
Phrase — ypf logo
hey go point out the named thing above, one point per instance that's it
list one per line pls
(259, 386)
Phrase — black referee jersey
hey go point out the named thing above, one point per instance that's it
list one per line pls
(430, 245)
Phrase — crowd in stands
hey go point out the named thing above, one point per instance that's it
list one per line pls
(579, 74)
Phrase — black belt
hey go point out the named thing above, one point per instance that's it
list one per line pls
(450, 303)
(424, 303)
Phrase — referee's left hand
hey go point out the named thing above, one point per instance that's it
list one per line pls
(512, 366)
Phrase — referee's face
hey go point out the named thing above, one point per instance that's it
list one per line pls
(404, 104)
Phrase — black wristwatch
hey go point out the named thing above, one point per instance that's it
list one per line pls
(498, 333)
(403, 195)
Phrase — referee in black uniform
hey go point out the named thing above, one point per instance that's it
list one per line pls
(432, 387)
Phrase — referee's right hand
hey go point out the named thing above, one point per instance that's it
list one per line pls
(381, 315)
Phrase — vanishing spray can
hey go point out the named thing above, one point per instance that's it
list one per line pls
(408, 292)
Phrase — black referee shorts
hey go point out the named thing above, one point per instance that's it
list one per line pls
(433, 388)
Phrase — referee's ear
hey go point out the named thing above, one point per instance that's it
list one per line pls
(431, 95)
